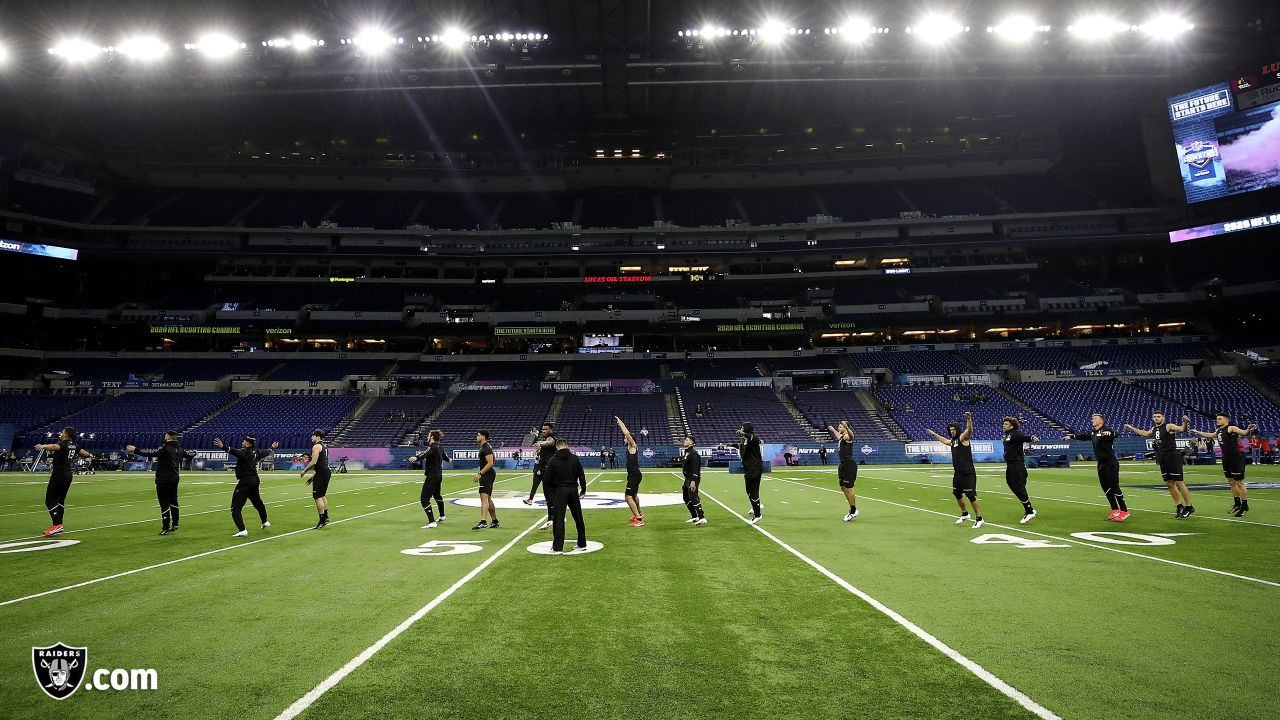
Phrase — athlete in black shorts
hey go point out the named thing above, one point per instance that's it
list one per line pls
(847, 471)
(432, 476)
(545, 448)
(1169, 458)
(1228, 437)
(62, 456)
(964, 480)
(632, 493)
(485, 477)
(320, 482)
(1015, 465)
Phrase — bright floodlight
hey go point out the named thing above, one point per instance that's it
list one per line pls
(1018, 28)
(373, 40)
(4, 54)
(1166, 27)
(143, 47)
(302, 42)
(453, 38)
(936, 28)
(855, 30)
(76, 50)
(772, 31)
(1096, 27)
(217, 45)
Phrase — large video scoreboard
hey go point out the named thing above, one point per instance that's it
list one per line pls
(1227, 136)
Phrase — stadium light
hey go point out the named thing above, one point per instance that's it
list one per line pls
(217, 45)
(76, 50)
(1016, 29)
(453, 38)
(143, 47)
(854, 31)
(936, 29)
(1166, 27)
(771, 32)
(373, 40)
(302, 43)
(4, 55)
(1096, 27)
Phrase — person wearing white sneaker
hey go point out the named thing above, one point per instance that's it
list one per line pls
(433, 458)
(691, 467)
(847, 471)
(248, 484)
(430, 526)
(1015, 464)
(964, 480)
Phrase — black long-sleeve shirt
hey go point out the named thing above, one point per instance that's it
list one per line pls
(692, 465)
(432, 460)
(564, 469)
(749, 450)
(1103, 440)
(247, 460)
(1014, 447)
(169, 457)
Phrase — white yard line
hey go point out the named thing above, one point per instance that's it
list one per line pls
(306, 701)
(1023, 530)
(980, 672)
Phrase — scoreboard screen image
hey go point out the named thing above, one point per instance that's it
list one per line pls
(1227, 136)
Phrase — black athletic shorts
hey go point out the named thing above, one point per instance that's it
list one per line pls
(486, 483)
(633, 484)
(1170, 466)
(320, 485)
(965, 482)
(1233, 467)
(847, 473)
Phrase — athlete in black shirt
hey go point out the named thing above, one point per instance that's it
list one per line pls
(433, 475)
(1169, 458)
(632, 493)
(964, 479)
(248, 484)
(691, 467)
(169, 458)
(847, 472)
(545, 448)
(1015, 465)
(1103, 439)
(1228, 437)
(752, 467)
(62, 457)
(485, 477)
(320, 481)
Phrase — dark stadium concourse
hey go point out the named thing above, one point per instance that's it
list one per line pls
(893, 360)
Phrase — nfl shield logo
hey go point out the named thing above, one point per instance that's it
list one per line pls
(59, 669)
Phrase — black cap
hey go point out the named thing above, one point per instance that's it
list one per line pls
(251, 439)
(748, 428)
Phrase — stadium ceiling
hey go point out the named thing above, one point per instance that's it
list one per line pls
(572, 67)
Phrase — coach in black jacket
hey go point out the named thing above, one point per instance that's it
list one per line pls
(567, 485)
(169, 457)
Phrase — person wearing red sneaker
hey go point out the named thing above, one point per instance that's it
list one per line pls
(1104, 439)
(632, 493)
(62, 456)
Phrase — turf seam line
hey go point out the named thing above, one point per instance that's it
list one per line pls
(210, 552)
(959, 658)
(301, 704)
(1166, 561)
(227, 509)
(1094, 504)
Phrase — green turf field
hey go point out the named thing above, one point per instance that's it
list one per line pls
(898, 614)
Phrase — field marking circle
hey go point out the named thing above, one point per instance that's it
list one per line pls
(34, 545)
(544, 548)
(593, 501)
